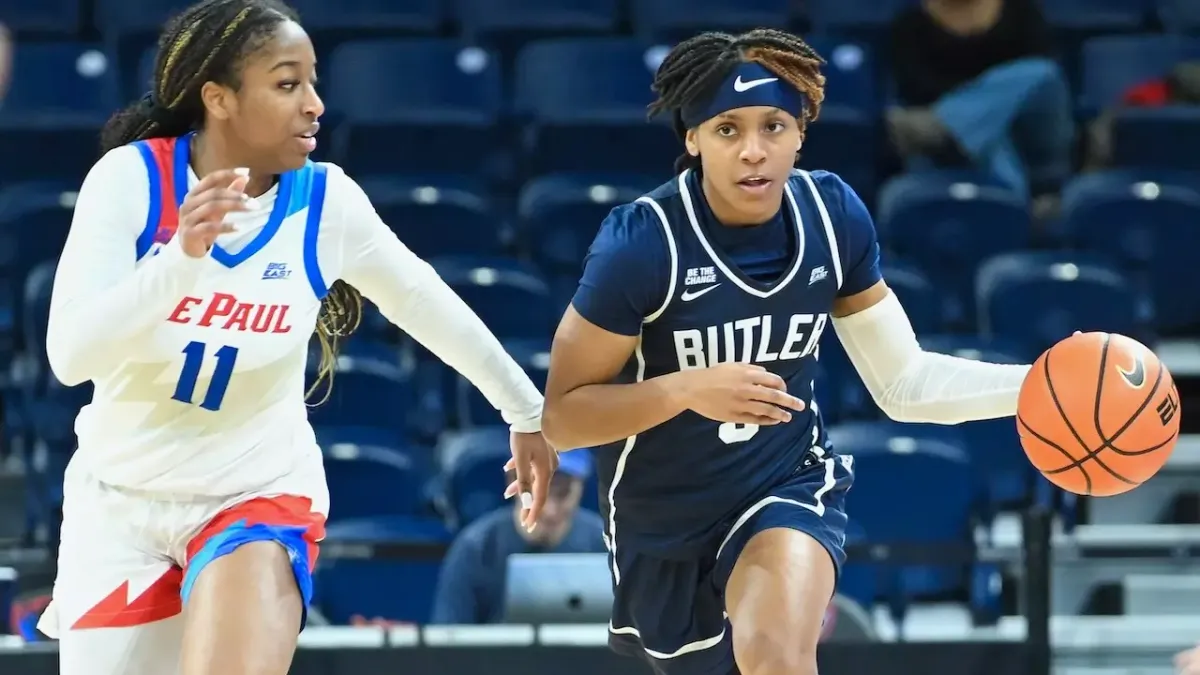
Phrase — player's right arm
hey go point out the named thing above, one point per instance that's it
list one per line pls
(100, 298)
(624, 281)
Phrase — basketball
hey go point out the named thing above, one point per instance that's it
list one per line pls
(1098, 414)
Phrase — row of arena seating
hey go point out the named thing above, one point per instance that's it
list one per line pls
(484, 18)
(453, 109)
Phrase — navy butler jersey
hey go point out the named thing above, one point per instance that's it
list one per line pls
(698, 294)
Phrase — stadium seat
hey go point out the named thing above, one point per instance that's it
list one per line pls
(436, 114)
(994, 447)
(1096, 15)
(116, 18)
(371, 480)
(367, 394)
(512, 302)
(437, 218)
(920, 299)
(474, 472)
(674, 20)
(474, 410)
(948, 229)
(1147, 222)
(1179, 16)
(891, 461)
(851, 75)
(1114, 63)
(359, 16)
(1037, 299)
(397, 584)
(561, 213)
(577, 92)
(60, 95)
(864, 19)
(33, 229)
(1164, 138)
(507, 24)
(47, 17)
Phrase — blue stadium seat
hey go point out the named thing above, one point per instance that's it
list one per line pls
(474, 410)
(359, 16)
(435, 114)
(396, 587)
(511, 301)
(509, 23)
(890, 459)
(1179, 16)
(45, 17)
(948, 229)
(116, 18)
(560, 214)
(575, 92)
(437, 218)
(1037, 299)
(1113, 63)
(1146, 221)
(851, 75)
(61, 94)
(994, 446)
(33, 229)
(372, 480)
(1165, 138)
(474, 472)
(674, 20)
(1096, 15)
(367, 394)
(920, 298)
(867, 19)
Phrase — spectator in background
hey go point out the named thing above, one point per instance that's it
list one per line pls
(471, 584)
(975, 80)
(1179, 87)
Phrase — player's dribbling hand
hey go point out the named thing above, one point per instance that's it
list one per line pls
(535, 463)
(202, 214)
(738, 392)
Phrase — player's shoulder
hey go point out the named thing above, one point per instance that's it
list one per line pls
(124, 161)
(634, 224)
(832, 189)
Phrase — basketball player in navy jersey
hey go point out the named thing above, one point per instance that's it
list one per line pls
(687, 358)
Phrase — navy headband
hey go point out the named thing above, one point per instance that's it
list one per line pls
(750, 84)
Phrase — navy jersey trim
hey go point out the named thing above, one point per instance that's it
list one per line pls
(672, 250)
(827, 223)
(797, 260)
(312, 227)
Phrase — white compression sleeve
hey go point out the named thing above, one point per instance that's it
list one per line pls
(913, 385)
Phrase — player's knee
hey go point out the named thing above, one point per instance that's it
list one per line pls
(776, 657)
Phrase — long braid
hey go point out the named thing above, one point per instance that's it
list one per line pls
(694, 68)
(209, 42)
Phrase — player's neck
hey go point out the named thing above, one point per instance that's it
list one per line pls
(729, 216)
(209, 153)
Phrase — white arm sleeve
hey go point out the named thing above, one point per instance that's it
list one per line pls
(411, 295)
(99, 297)
(913, 385)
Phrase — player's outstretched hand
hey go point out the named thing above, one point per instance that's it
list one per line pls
(1188, 663)
(202, 215)
(535, 463)
(738, 392)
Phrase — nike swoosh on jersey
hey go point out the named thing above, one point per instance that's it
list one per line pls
(690, 295)
(740, 86)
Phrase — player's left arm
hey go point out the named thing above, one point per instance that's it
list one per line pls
(908, 383)
(410, 293)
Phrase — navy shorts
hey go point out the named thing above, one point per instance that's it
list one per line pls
(672, 612)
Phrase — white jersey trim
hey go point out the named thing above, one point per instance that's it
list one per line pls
(672, 250)
(828, 223)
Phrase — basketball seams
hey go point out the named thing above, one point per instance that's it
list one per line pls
(1109, 443)
(1075, 464)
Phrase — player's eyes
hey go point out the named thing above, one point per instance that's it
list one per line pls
(775, 127)
(289, 85)
(725, 130)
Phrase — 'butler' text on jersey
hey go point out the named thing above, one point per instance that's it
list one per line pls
(698, 294)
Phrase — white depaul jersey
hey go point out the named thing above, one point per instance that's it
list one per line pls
(199, 363)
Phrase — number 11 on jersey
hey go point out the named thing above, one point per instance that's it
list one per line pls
(193, 358)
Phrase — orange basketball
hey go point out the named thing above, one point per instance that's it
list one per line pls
(1098, 414)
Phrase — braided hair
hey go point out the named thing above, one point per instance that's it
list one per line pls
(694, 68)
(209, 42)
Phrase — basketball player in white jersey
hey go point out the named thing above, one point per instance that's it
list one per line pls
(187, 293)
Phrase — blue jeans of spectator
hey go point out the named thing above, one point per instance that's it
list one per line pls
(1014, 121)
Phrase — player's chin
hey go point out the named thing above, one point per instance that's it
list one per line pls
(294, 153)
